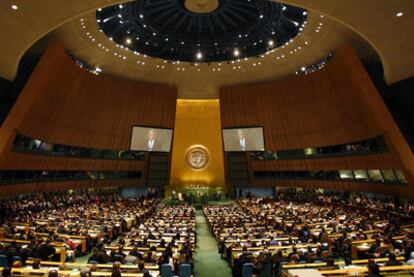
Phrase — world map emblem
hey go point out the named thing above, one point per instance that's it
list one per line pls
(197, 158)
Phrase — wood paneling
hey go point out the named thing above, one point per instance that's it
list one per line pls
(319, 109)
(335, 105)
(65, 104)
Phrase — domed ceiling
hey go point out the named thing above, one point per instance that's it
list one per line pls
(315, 37)
(176, 30)
(378, 30)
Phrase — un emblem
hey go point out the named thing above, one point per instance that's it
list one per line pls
(197, 157)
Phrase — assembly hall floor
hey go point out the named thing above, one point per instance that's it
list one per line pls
(208, 261)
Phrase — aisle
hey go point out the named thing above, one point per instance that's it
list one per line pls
(207, 259)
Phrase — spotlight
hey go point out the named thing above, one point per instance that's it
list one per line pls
(236, 52)
(199, 55)
(128, 41)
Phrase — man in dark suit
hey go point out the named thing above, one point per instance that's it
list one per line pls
(242, 140)
(99, 256)
(392, 260)
(245, 257)
(373, 270)
(151, 140)
(45, 250)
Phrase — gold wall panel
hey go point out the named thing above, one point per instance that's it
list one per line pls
(197, 125)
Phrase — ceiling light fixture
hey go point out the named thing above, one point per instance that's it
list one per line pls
(399, 14)
(170, 46)
(199, 55)
(14, 7)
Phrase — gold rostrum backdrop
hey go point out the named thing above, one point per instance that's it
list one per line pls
(197, 157)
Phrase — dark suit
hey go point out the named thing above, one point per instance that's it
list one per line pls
(44, 251)
(238, 266)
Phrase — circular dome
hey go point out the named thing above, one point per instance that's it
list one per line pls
(236, 29)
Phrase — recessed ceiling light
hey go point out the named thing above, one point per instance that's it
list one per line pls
(14, 7)
(128, 41)
(399, 14)
(236, 52)
(199, 55)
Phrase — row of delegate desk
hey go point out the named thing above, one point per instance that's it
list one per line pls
(73, 269)
(234, 239)
(179, 219)
(83, 229)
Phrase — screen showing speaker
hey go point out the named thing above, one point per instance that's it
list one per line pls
(151, 139)
(243, 139)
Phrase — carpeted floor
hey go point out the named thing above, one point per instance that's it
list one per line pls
(207, 259)
(82, 259)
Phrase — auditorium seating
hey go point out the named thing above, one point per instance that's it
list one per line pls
(308, 233)
(134, 235)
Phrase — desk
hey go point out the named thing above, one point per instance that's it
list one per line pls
(45, 272)
(149, 266)
(359, 270)
(59, 247)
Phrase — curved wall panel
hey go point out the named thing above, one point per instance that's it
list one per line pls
(66, 104)
(319, 109)
(335, 105)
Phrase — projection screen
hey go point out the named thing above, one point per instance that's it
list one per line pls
(243, 139)
(151, 139)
